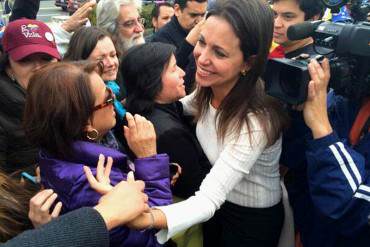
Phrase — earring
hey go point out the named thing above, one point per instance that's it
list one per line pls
(92, 135)
(243, 72)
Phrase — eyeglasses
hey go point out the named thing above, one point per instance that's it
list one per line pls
(109, 101)
(132, 23)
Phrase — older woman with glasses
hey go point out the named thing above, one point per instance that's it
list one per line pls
(68, 112)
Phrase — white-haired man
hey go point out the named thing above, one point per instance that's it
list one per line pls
(121, 18)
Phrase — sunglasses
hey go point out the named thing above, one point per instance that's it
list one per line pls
(109, 100)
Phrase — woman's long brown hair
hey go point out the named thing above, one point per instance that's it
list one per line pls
(14, 206)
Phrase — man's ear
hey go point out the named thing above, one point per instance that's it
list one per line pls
(178, 10)
(154, 23)
(315, 18)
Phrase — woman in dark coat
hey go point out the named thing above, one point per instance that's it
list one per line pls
(154, 85)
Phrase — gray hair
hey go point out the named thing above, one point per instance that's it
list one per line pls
(107, 12)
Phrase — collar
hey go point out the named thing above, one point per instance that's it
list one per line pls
(87, 153)
(178, 26)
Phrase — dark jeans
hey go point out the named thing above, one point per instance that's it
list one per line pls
(234, 226)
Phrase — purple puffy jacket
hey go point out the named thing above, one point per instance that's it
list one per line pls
(67, 178)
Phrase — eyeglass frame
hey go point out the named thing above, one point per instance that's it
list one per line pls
(108, 101)
(139, 21)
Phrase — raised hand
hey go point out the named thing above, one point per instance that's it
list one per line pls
(102, 182)
(193, 36)
(40, 205)
(140, 136)
(315, 108)
(79, 18)
(123, 203)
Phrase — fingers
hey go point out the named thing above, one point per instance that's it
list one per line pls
(126, 132)
(57, 210)
(108, 168)
(326, 67)
(311, 90)
(319, 70)
(146, 208)
(139, 122)
(320, 74)
(140, 185)
(100, 168)
(130, 177)
(85, 9)
(47, 204)
(146, 198)
(313, 70)
(40, 198)
(130, 121)
(90, 177)
(82, 21)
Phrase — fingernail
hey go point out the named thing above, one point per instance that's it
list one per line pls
(131, 175)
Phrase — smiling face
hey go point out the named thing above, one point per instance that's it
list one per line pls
(218, 56)
(106, 52)
(104, 118)
(173, 87)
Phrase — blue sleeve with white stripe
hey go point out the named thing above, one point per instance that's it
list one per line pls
(339, 183)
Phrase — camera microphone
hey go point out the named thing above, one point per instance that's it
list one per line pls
(302, 30)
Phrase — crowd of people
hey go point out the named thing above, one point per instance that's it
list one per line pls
(132, 139)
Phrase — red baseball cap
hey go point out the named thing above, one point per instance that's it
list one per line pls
(25, 37)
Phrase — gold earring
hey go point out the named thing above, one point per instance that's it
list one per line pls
(243, 72)
(92, 135)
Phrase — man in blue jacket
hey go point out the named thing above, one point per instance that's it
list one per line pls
(332, 200)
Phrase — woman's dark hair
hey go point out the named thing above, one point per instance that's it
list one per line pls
(252, 22)
(59, 104)
(310, 8)
(14, 205)
(141, 68)
(83, 42)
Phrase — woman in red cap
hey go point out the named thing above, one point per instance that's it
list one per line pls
(27, 45)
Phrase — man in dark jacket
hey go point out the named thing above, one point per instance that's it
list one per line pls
(183, 32)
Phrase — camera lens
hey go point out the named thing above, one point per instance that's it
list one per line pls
(290, 80)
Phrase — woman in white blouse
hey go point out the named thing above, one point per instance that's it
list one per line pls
(239, 129)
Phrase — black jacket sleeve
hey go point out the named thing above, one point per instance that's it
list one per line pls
(83, 227)
(182, 149)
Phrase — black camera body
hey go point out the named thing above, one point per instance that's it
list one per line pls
(287, 79)
(347, 46)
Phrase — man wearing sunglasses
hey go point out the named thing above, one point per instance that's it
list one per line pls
(122, 20)
(183, 32)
